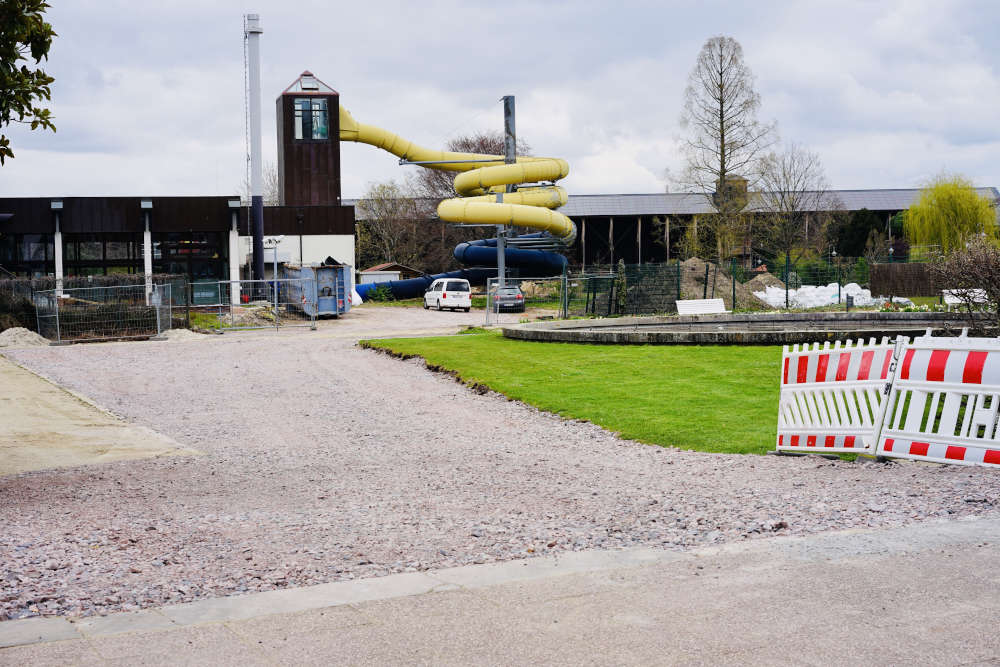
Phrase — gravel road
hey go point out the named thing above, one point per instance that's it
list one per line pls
(323, 461)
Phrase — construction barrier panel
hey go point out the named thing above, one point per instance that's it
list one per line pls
(944, 402)
(833, 398)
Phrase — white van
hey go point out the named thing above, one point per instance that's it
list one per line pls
(453, 293)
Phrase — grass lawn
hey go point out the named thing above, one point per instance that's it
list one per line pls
(205, 320)
(415, 302)
(710, 398)
(926, 300)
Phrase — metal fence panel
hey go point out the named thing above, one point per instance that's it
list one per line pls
(17, 295)
(261, 304)
(641, 289)
(646, 289)
(103, 313)
(545, 297)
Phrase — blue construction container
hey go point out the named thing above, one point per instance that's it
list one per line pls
(329, 285)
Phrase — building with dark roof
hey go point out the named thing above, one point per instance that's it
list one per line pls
(621, 226)
(682, 203)
(205, 238)
(613, 227)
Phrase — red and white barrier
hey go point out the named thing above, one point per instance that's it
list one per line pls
(944, 402)
(832, 398)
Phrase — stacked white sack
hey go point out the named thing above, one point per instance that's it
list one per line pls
(811, 296)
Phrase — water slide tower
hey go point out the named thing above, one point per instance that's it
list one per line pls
(308, 143)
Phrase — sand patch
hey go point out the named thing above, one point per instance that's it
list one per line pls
(43, 426)
(21, 337)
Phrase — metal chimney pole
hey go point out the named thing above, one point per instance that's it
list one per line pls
(509, 134)
(253, 31)
(510, 157)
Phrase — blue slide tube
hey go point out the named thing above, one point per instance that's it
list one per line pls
(414, 287)
(482, 255)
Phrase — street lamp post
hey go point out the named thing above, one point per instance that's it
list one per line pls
(833, 256)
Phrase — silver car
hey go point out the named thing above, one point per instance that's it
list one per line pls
(509, 298)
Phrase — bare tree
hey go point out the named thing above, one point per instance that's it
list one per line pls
(388, 215)
(795, 201)
(876, 247)
(725, 138)
(396, 224)
(435, 184)
(662, 227)
(973, 275)
(272, 192)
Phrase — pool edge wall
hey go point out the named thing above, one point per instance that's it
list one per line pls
(736, 329)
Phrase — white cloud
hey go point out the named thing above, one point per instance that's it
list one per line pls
(148, 97)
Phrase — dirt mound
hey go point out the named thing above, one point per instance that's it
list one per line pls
(762, 281)
(720, 286)
(541, 290)
(182, 335)
(21, 337)
(251, 316)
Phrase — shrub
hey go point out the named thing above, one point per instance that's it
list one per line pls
(972, 273)
(948, 213)
(381, 293)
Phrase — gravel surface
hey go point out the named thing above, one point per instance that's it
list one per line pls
(325, 462)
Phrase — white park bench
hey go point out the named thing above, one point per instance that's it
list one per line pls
(701, 306)
(953, 297)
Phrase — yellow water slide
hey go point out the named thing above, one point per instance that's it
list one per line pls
(480, 183)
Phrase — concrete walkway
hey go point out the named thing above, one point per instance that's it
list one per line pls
(43, 426)
(923, 594)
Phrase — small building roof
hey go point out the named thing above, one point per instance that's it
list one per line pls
(389, 266)
(308, 84)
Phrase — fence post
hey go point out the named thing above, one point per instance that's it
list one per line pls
(704, 292)
(678, 263)
(489, 302)
(276, 292)
(611, 295)
(315, 295)
(564, 305)
(58, 328)
(788, 271)
(732, 279)
(156, 298)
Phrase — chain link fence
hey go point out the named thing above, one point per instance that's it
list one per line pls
(256, 304)
(103, 313)
(655, 288)
(17, 295)
(638, 290)
(509, 304)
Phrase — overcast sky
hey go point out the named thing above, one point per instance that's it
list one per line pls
(148, 98)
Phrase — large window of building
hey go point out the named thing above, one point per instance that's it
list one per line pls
(311, 118)
(101, 254)
(200, 255)
(27, 255)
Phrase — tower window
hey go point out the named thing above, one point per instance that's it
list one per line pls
(311, 119)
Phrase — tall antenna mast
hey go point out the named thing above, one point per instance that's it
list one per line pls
(252, 34)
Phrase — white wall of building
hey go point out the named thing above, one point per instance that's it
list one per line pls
(377, 276)
(315, 249)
